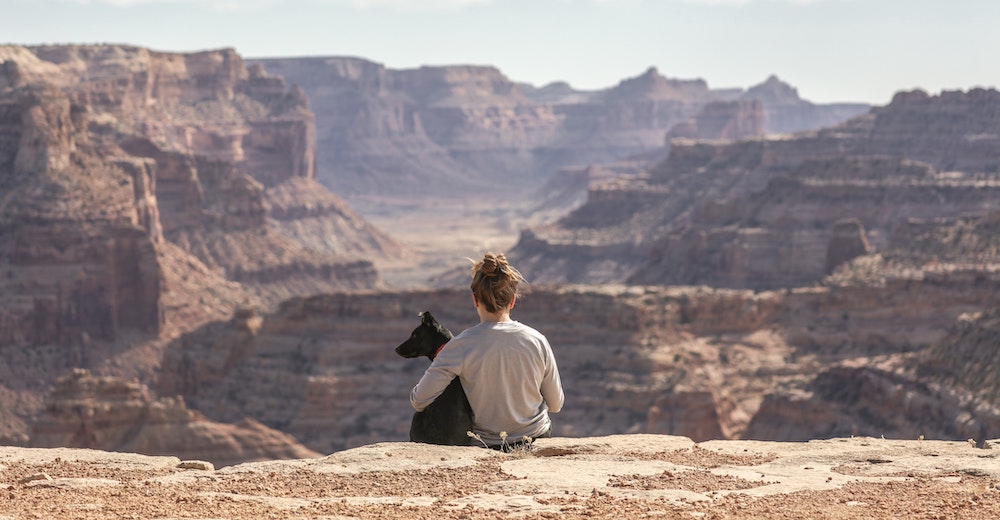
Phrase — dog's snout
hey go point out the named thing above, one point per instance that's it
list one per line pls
(406, 350)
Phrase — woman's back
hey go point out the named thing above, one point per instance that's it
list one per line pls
(507, 368)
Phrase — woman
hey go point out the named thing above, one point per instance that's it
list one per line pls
(507, 368)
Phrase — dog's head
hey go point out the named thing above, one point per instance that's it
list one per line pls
(426, 339)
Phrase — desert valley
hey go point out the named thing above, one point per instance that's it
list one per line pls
(212, 257)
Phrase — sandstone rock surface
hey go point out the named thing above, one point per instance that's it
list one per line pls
(110, 414)
(622, 476)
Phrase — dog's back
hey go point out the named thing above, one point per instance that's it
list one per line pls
(449, 418)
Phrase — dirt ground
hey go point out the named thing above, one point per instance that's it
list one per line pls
(631, 476)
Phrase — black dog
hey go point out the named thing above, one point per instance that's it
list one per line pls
(449, 418)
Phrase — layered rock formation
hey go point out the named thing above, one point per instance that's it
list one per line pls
(409, 132)
(146, 194)
(725, 120)
(144, 147)
(762, 213)
(110, 414)
(694, 361)
(386, 132)
(948, 389)
(143, 193)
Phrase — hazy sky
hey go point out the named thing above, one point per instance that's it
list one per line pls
(831, 50)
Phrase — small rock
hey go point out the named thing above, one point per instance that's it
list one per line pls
(32, 478)
(196, 464)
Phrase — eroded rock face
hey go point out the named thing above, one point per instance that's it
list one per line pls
(390, 132)
(111, 414)
(848, 242)
(79, 234)
(136, 198)
(707, 363)
(110, 150)
(762, 213)
(847, 399)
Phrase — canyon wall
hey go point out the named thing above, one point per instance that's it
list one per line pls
(762, 212)
(385, 133)
(143, 193)
(106, 413)
(694, 361)
(144, 148)
(164, 223)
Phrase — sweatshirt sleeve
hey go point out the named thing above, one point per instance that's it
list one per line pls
(438, 376)
(552, 390)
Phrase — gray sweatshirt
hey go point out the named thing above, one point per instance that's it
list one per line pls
(509, 374)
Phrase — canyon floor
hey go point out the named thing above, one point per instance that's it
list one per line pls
(621, 476)
(440, 237)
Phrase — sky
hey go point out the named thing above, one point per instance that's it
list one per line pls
(830, 50)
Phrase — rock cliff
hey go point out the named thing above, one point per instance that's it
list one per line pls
(143, 193)
(144, 148)
(784, 112)
(762, 213)
(110, 414)
(389, 132)
(694, 361)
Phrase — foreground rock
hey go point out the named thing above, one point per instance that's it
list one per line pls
(606, 477)
(108, 413)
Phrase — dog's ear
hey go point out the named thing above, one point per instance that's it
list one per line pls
(427, 318)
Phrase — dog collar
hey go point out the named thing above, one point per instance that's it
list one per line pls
(438, 351)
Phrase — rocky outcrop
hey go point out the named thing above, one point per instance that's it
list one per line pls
(202, 141)
(946, 391)
(761, 213)
(106, 413)
(850, 399)
(79, 235)
(144, 193)
(946, 388)
(402, 132)
(848, 242)
(615, 476)
(965, 357)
